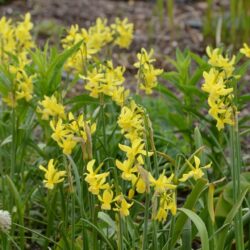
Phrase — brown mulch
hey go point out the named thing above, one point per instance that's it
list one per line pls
(150, 30)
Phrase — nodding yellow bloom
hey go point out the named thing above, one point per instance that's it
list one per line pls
(67, 144)
(162, 184)
(196, 171)
(123, 206)
(144, 58)
(140, 185)
(245, 50)
(60, 131)
(49, 107)
(107, 199)
(122, 32)
(127, 167)
(52, 175)
(96, 181)
(135, 149)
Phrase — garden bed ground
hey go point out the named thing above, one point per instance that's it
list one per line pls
(150, 31)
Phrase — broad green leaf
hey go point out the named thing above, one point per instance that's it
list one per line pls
(200, 225)
(99, 231)
(223, 231)
(189, 204)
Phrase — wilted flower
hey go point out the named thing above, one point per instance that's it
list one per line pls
(5, 220)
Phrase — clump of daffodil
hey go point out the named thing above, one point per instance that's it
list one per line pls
(105, 79)
(147, 74)
(68, 132)
(49, 107)
(131, 122)
(245, 50)
(217, 85)
(122, 32)
(167, 202)
(22, 85)
(16, 40)
(52, 175)
(93, 40)
(99, 187)
(196, 171)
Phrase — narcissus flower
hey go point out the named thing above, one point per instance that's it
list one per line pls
(196, 171)
(96, 181)
(52, 175)
(107, 198)
(245, 50)
(123, 206)
(216, 59)
(147, 73)
(162, 184)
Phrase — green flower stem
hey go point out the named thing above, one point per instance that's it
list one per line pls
(145, 227)
(119, 232)
(148, 196)
(13, 145)
(103, 122)
(73, 221)
(236, 170)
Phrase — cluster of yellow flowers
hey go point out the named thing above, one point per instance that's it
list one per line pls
(131, 121)
(147, 73)
(94, 39)
(217, 81)
(97, 182)
(16, 40)
(67, 130)
(107, 80)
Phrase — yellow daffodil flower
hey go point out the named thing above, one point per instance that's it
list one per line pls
(245, 50)
(52, 175)
(107, 199)
(196, 171)
(96, 181)
(162, 183)
(123, 206)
